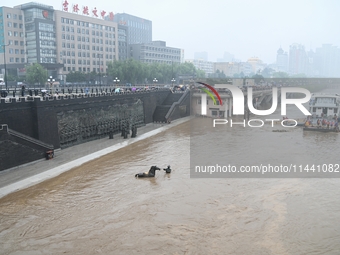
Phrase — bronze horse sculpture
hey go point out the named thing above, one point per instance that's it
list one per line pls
(151, 173)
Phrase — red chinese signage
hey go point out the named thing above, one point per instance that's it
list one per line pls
(85, 11)
(65, 6)
(111, 16)
(75, 8)
(94, 11)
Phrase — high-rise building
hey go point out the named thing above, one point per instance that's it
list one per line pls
(297, 59)
(155, 52)
(206, 66)
(227, 57)
(201, 56)
(281, 61)
(61, 41)
(122, 42)
(85, 44)
(12, 38)
(257, 64)
(327, 61)
(139, 29)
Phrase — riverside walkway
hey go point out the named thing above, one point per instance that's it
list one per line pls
(27, 175)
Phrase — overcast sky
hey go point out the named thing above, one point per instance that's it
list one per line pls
(245, 28)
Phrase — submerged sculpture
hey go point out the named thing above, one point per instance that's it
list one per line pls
(151, 173)
(167, 170)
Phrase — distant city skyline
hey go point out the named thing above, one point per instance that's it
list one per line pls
(244, 28)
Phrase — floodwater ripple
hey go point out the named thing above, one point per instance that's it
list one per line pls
(100, 208)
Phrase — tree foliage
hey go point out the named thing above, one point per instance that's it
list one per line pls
(76, 77)
(258, 78)
(280, 75)
(135, 72)
(35, 73)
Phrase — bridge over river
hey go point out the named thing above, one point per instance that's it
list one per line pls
(260, 97)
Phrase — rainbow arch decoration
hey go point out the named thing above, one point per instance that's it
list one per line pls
(209, 93)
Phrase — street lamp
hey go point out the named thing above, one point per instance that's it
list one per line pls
(116, 81)
(4, 46)
(155, 81)
(172, 81)
(51, 81)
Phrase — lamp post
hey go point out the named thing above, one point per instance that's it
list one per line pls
(4, 46)
(51, 81)
(155, 81)
(172, 81)
(116, 81)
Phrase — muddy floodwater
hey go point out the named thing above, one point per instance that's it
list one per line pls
(100, 208)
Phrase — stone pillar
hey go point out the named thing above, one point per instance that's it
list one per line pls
(203, 104)
(230, 107)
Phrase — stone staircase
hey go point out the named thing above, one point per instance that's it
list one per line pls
(17, 148)
(164, 111)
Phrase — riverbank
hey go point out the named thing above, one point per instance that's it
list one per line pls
(24, 176)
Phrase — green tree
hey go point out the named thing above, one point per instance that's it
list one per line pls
(76, 77)
(132, 71)
(35, 73)
(258, 78)
(280, 75)
(299, 75)
(267, 72)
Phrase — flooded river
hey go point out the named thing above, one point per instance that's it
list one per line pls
(100, 208)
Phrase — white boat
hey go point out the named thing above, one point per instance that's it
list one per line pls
(324, 106)
(325, 110)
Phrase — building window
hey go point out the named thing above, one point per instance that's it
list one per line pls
(8, 15)
(9, 33)
(9, 24)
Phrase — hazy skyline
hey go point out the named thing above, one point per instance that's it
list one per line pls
(243, 28)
